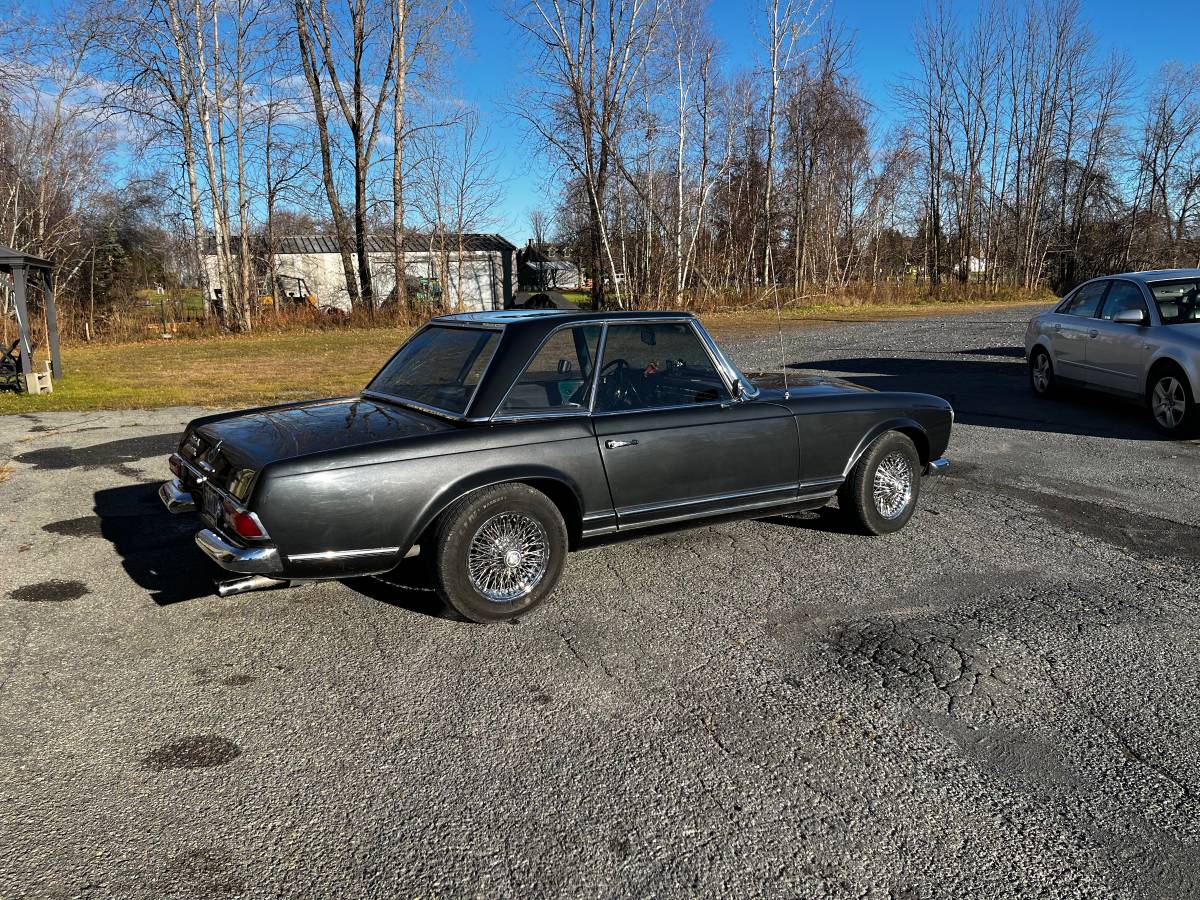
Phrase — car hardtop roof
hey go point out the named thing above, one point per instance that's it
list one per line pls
(1153, 275)
(509, 317)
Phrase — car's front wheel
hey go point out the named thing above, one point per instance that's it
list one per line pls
(499, 552)
(880, 495)
(1171, 403)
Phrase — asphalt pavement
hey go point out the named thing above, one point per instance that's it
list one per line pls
(998, 701)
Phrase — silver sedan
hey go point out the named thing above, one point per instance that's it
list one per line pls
(1136, 335)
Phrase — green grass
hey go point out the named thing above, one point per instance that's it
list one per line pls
(217, 372)
(271, 367)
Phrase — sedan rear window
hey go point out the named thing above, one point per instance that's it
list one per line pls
(440, 367)
(1178, 301)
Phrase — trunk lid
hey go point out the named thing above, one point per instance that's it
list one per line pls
(251, 440)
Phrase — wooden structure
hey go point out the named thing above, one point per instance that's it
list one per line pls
(22, 267)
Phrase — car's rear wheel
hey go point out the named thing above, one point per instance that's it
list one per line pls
(1171, 403)
(1041, 373)
(499, 552)
(881, 493)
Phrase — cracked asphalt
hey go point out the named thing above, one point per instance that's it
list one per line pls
(999, 701)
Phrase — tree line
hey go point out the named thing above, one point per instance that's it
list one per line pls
(137, 138)
(1018, 152)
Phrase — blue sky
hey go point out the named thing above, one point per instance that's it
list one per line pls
(488, 74)
(881, 28)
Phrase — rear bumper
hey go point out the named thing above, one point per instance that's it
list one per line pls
(937, 466)
(235, 558)
(175, 498)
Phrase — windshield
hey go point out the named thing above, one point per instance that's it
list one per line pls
(1178, 301)
(439, 367)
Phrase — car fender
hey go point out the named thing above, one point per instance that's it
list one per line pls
(459, 488)
(1042, 340)
(899, 423)
(1185, 361)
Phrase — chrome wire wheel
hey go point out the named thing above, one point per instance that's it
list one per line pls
(1169, 402)
(1040, 372)
(893, 485)
(507, 556)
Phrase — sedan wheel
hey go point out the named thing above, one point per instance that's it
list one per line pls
(499, 552)
(1171, 404)
(1041, 373)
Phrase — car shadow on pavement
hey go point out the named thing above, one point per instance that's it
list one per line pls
(994, 392)
(408, 586)
(157, 549)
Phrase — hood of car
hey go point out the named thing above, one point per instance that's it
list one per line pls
(770, 382)
(254, 438)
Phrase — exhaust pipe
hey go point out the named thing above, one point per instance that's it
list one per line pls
(249, 583)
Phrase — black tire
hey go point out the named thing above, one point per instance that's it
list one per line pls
(857, 498)
(1172, 406)
(529, 512)
(1041, 373)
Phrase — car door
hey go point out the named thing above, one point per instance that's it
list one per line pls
(1116, 351)
(1070, 329)
(674, 441)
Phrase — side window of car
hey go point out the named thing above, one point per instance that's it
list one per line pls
(1122, 296)
(651, 366)
(1085, 300)
(559, 377)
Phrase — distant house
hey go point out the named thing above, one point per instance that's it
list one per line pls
(544, 267)
(310, 269)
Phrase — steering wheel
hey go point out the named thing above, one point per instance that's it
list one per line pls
(616, 388)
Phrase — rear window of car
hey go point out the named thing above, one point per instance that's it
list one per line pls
(1178, 300)
(1085, 300)
(440, 367)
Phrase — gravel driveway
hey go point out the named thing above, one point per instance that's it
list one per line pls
(1001, 700)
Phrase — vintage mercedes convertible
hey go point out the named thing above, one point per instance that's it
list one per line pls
(492, 443)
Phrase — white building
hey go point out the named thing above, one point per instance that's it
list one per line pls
(310, 267)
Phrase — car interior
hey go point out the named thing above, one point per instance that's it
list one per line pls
(1178, 301)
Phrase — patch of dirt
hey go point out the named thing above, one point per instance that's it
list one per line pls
(196, 752)
(53, 591)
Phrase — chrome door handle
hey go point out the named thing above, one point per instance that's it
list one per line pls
(613, 445)
(1058, 328)
(1094, 333)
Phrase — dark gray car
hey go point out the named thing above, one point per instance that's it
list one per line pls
(1136, 335)
(492, 443)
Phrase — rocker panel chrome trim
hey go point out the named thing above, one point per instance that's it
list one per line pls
(342, 554)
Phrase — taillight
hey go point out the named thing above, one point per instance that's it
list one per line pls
(245, 524)
(176, 466)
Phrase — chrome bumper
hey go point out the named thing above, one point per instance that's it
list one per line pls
(243, 560)
(175, 498)
(938, 466)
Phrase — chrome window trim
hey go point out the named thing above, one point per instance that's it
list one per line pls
(426, 407)
(700, 334)
(749, 391)
(341, 554)
(550, 412)
(420, 407)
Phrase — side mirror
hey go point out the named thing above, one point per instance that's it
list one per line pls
(1131, 317)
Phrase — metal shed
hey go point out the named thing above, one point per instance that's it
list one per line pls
(21, 266)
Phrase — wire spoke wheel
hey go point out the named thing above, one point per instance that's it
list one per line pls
(507, 556)
(893, 485)
(1169, 402)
